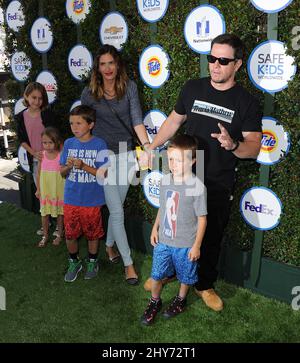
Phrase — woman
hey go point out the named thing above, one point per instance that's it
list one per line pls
(118, 112)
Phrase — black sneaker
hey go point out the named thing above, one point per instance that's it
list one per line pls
(151, 311)
(176, 307)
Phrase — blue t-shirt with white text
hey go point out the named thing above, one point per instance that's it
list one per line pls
(81, 187)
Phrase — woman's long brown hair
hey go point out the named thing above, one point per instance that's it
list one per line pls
(96, 82)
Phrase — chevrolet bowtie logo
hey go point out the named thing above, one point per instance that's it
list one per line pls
(113, 30)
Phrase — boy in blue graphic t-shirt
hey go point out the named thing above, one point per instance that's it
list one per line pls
(83, 157)
(178, 229)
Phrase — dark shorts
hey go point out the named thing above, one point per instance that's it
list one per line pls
(169, 260)
(83, 220)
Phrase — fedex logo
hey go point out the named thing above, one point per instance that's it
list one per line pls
(261, 208)
(78, 63)
(12, 16)
(150, 130)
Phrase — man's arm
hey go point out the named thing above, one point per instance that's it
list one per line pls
(168, 129)
(248, 148)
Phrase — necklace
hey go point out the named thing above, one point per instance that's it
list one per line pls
(110, 93)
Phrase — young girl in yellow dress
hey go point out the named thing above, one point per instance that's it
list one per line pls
(50, 184)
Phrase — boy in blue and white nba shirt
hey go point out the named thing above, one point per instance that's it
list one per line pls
(178, 229)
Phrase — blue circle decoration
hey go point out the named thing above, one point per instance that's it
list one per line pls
(156, 20)
(271, 11)
(140, 69)
(245, 219)
(249, 70)
(185, 31)
(126, 30)
(144, 190)
(50, 45)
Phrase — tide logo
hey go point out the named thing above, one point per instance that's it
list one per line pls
(154, 66)
(78, 6)
(269, 141)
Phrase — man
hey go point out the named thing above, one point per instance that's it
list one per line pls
(226, 119)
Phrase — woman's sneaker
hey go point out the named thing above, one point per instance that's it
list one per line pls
(176, 307)
(92, 269)
(150, 313)
(74, 268)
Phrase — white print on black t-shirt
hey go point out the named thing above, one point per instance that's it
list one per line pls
(214, 111)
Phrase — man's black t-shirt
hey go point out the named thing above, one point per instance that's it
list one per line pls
(236, 109)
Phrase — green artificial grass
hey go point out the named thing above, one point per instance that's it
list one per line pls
(41, 307)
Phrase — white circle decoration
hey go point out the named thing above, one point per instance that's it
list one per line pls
(151, 187)
(41, 35)
(261, 208)
(269, 68)
(275, 143)
(23, 160)
(19, 106)
(80, 62)
(201, 26)
(77, 10)
(75, 104)
(20, 66)
(153, 121)
(153, 66)
(273, 6)
(114, 30)
(14, 15)
(152, 10)
(47, 79)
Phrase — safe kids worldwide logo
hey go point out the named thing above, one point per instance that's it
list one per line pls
(261, 208)
(275, 143)
(77, 10)
(201, 26)
(153, 66)
(151, 187)
(270, 68)
(20, 66)
(152, 10)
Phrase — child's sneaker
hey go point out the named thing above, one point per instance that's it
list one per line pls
(75, 267)
(176, 307)
(92, 269)
(150, 313)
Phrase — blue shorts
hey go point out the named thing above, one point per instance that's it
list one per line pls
(169, 260)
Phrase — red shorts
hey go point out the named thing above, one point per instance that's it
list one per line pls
(83, 220)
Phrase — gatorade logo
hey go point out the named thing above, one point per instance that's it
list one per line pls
(269, 141)
(78, 6)
(154, 66)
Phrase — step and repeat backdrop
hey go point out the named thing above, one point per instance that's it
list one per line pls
(269, 69)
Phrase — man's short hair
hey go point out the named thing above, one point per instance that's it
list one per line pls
(234, 41)
(86, 112)
(184, 142)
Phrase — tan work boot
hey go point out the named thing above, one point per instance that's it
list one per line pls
(211, 299)
(166, 280)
